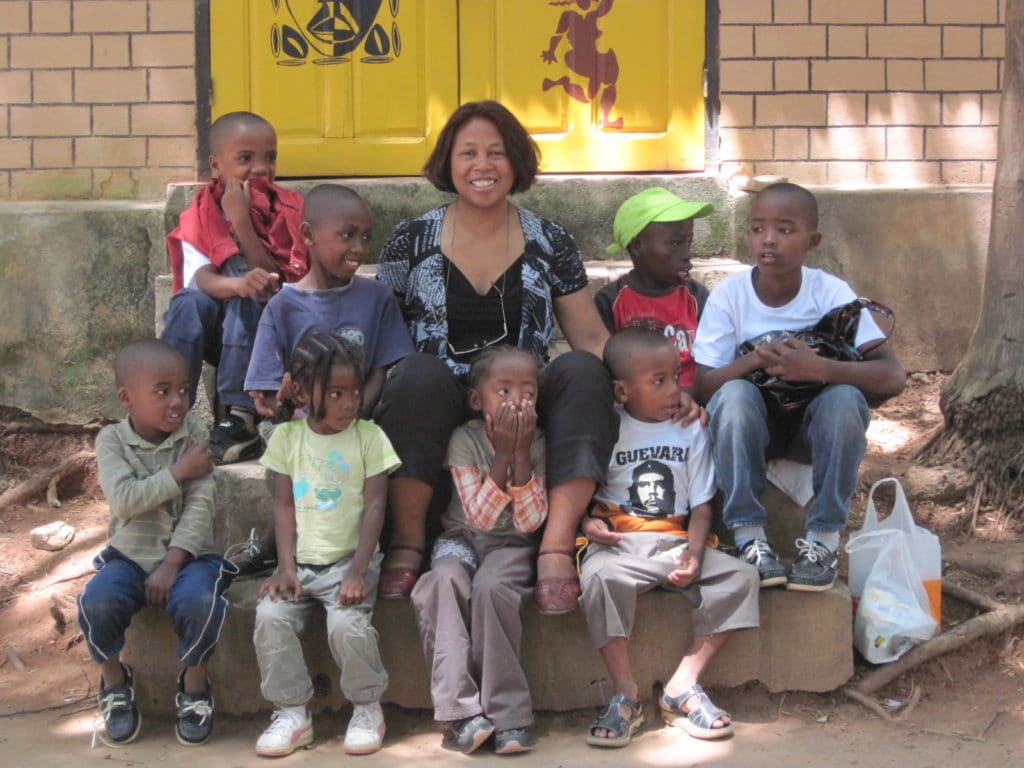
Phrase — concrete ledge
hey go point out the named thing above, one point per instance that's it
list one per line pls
(805, 643)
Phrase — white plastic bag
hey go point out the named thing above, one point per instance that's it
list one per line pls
(925, 550)
(893, 614)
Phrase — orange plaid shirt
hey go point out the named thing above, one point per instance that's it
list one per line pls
(484, 502)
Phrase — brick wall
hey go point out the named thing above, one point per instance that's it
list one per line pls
(872, 91)
(97, 97)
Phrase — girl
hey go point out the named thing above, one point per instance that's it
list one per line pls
(329, 475)
(482, 566)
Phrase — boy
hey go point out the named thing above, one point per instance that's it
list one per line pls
(232, 249)
(780, 293)
(656, 228)
(155, 471)
(649, 527)
(336, 224)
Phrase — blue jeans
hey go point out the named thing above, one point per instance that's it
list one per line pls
(196, 605)
(829, 435)
(221, 332)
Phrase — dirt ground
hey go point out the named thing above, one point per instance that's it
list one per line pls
(971, 711)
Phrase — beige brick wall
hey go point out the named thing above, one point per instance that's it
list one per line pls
(873, 91)
(97, 97)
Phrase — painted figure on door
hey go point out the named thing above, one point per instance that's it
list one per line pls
(599, 69)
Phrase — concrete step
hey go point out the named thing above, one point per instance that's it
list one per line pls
(804, 643)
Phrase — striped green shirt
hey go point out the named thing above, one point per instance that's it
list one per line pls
(149, 511)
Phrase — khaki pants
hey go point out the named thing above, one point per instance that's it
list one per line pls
(350, 635)
(471, 629)
(724, 597)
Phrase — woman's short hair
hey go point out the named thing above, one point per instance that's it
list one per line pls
(520, 148)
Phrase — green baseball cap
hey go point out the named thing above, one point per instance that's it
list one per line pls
(654, 204)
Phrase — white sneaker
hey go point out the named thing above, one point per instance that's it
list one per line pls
(289, 729)
(365, 732)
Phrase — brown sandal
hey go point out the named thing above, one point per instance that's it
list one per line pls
(397, 581)
(557, 594)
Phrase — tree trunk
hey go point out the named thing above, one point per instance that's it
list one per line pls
(983, 402)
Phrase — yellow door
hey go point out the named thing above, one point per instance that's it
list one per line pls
(359, 87)
(603, 85)
(362, 87)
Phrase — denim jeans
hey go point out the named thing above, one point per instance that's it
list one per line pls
(196, 605)
(218, 331)
(829, 434)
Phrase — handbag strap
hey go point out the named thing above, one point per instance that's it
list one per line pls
(879, 309)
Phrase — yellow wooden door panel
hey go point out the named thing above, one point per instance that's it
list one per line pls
(603, 85)
(352, 87)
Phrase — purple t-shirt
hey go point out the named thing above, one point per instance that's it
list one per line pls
(364, 311)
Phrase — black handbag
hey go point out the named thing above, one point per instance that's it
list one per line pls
(834, 337)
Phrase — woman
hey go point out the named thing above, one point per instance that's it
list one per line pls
(471, 274)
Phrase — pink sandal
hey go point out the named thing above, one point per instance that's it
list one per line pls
(557, 594)
(397, 581)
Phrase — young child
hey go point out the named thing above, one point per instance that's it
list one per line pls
(336, 225)
(232, 249)
(780, 293)
(650, 527)
(329, 473)
(155, 471)
(656, 228)
(482, 567)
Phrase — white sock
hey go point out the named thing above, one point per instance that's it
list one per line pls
(747, 533)
(825, 538)
(300, 710)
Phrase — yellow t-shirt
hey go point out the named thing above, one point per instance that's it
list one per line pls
(327, 473)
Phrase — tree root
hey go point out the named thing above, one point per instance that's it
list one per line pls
(38, 484)
(998, 618)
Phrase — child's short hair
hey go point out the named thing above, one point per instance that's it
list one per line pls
(653, 204)
(485, 361)
(625, 343)
(520, 148)
(802, 197)
(311, 362)
(325, 199)
(139, 353)
(225, 125)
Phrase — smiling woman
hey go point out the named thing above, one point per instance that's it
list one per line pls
(471, 274)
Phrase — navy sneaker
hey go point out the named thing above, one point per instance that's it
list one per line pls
(814, 569)
(254, 557)
(770, 568)
(468, 735)
(513, 740)
(117, 707)
(232, 441)
(195, 714)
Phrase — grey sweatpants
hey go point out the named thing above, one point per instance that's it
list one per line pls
(471, 629)
(350, 635)
(724, 597)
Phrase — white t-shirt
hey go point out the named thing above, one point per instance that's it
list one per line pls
(658, 470)
(192, 259)
(734, 314)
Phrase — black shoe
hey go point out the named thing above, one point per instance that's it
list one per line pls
(256, 556)
(117, 706)
(770, 569)
(195, 714)
(232, 441)
(814, 569)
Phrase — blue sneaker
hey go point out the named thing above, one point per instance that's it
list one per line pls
(770, 568)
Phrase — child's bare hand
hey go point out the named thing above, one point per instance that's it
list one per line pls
(258, 283)
(282, 585)
(158, 584)
(236, 202)
(501, 428)
(352, 591)
(598, 532)
(791, 360)
(265, 402)
(688, 569)
(527, 426)
(194, 463)
(689, 410)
